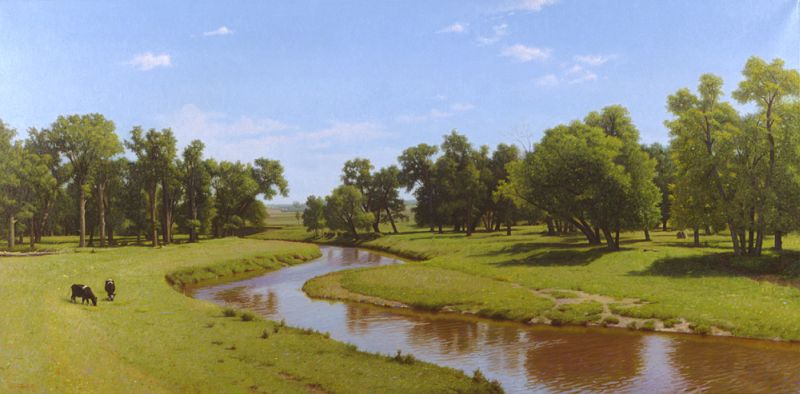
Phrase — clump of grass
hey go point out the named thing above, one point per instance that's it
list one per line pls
(702, 329)
(264, 334)
(575, 314)
(561, 294)
(404, 358)
(649, 325)
(210, 325)
(276, 329)
(229, 312)
(669, 323)
(485, 385)
(232, 347)
(632, 325)
(610, 321)
(216, 343)
(248, 316)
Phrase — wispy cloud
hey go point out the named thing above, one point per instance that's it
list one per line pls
(524, 53)
(148, 61)
(548, 80)
(594, 60)
(584, 76)
(498, 32)
(437, 113)
(457, 27)
(220, 31)
(527, 5)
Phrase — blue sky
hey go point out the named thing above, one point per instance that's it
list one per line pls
(314, 83)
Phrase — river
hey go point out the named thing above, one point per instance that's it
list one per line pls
(523, 358)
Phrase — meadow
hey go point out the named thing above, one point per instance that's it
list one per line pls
(664, 284)
(152, 338)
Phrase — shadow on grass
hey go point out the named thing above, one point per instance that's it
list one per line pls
(725, 264)
(551, 258)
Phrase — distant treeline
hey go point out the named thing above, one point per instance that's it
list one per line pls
(71, 178)
(722, 171)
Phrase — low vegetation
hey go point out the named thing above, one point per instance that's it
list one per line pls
(154, 339)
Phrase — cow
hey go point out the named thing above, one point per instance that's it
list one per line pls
(86, 294)
(110, 289)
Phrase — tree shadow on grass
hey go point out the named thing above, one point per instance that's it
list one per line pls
(561, 257)
(786, 264)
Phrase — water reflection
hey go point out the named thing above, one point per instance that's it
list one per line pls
(523, 358)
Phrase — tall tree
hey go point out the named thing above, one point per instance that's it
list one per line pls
(344, 210)
(664, 179)
(386, 198)
(40, 143)
(196, 180)
(148, 148)
(768, 85)
(85, 140)
(9, 180)
(314, 214)
(418, 173)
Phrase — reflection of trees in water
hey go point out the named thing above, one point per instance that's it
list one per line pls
(567, 361)
(450, 336)
(234, 295)
(242, 298)
(358, 318)
(731, 366)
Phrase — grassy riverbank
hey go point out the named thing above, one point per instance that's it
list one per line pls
(663, 284)
(154, 339)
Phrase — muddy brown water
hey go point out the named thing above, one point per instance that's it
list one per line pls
(523, 358)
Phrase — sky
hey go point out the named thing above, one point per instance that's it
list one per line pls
(315, 83)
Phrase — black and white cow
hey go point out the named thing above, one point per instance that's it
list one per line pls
(86, 294)
(111, 289)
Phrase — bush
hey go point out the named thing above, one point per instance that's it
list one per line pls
(610, 321)
(229, 312)
(669, 323)
(701, 329)
(264, 334)
(649, 325)
(248, 316)
(404, 358)
(632, 325)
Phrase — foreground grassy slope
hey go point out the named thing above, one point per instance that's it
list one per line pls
(673, 281)
(154, 339)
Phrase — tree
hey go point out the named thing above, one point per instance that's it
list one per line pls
(196, 180)
(40, 143)
(358, 173)
(85, 140)
(149, 151)
(344, 210)
(665, 177)
(459, 179)
(9, 179)
(314, 214)
(768, 86)
(418, 173)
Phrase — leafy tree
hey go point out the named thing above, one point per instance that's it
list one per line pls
(86, 141)
(9, 178)
(768, 86)
(664, 179)
(344, 210)
(40, 143)
(418, 173)
(150, 154)
(385, 195)
(314, 214)
(196, 180)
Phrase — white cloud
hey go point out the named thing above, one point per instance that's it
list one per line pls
(528, 5)
(148, 61)
(525, 53)
(498, 32)
(585, 76)
(548, 80)
(457, 27)
(594, 60)
(462, 107)
(191, 122)
(574, 69)
(220, 31)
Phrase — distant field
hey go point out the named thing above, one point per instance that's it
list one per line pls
(665, 280)
(154, 339)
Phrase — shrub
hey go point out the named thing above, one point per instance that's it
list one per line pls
(669, 323)
(229, 312)
(404, 358)
(632, 325)
(264, 334)
(610, 321)
(649, 325)
(248, 316)
(701, 329)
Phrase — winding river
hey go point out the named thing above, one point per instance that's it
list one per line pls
(523, 358)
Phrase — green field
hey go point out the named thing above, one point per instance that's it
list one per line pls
(524, 276)
(154, 339)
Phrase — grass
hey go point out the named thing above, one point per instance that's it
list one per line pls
(154, 339)
(488, 273)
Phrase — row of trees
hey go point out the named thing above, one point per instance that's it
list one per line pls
(48, 179)
(723, 171)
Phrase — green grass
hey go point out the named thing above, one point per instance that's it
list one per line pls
(704, 285)
(154, 339)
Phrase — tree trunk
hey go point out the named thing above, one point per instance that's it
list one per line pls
(166, 209)
(737, 248)
(550, 227)
(610, 242)
(508, 228)
(153, 228)
(647, 234)
(440, 229)
(101, 209)
(391, 220)
(32, 233)
(11, 238)
(778, 241)
(696, 235)
(193, 210)
(664, 225)
(82, 213)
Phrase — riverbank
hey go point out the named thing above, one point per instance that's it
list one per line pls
(154, 339)
(661, 285)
